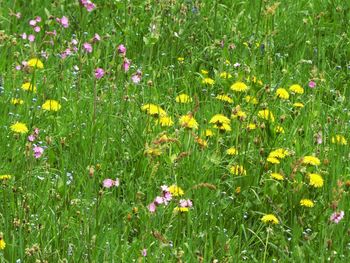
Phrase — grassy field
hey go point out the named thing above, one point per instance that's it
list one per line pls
(174, 131)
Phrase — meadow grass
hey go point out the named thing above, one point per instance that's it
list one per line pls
(56, 203)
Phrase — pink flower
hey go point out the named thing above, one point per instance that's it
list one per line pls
(108, 183)
(87, 47)
(38, 151)
(66, 53)
(38, 19)
(31, 138)
(88, 5)
(96, 38)
(144, 252)
(159, 200)
(122, 49)
(185, 203)
(24, 36)
(336, 217)
(99, 73)
(126, 64)
(136, 78)
(18, 67)
(31, 38)
(152, 207)
(312, 84)
(37, 29)
(74, 42)
(32, 23)
(63, 21)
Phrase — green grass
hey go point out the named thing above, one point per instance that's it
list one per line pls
(100, 132)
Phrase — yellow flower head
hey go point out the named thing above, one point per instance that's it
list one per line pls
(165, 121)
(181, 59)
(238, 114)
(51, 105)
(238, 170)
(181, 209)
(251, 126)
(307, 203)
(153, 152)
(232, 151)
(175, 190)
(19, 127)
(316, 180)
(296, 88)
(153, 110)
(219, 119)
(16, 101)
(312, 160)
(183, 98)
(28, 87)
(266, 115)
(224, 97)
(282, 94)
(2, 242)
(273, 160)
(277, 176)
(252, 100)
(202, 143)
(225, 75)
(279, 129)
(339, 139)
(5, 177)
(279, 153)
(270, 218)
(35, 63)
(239, 87)
(188, 121)
(298, 105)
(204, 72)
(209, 133)
(208, 81)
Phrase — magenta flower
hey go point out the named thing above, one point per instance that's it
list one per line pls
(136, 78)
(108, 183)
(90, 6)
(96, 38)
(31, 38)
(122, 49)
(32, 23)
(336, 217)
(152, 207)
(185, 203)
(38, 151)
(312, 84)
(38, 19)
(126, 64)
(63, 21)
(144, 252)
(31, 138)
(37, 29)
(99, 73)
(87, 47)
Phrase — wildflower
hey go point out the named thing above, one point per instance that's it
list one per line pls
(87, 47)
(126, 64)
(277, 176)
(279, 129)
(279, 153)
(108, 183)
(238, 190)
(202, 143)
(251, 126)
(266, 115)
(336, 217)
(273, 160)
(252, 100)
(96, 38)
(239, 86)
(238, 170)
(153, 152)
(204, 72)
(185, 203)
(28, 87)
(38, 151)
(175, 191)
(312, 160)
(136, 78)
(225, 75)
(51, 105)
(188, 121)
(121, 49)
(312, 84)
(209, 133)
(296, 89)
(183, 98)
(153, 110)
(282, 94)
(181, 209)
(144, 252)
(307, 203)
(31, 38)
(63, 21)
(224, 97)
(298, 105)
(35, 63)
(165, 121)
(208, 81)
(339, 139)
(90, 6)
(16, 101)
(19, 127)
(316, 180)
(232, 151)
(99, 73)
(152, 207)
(2, 241)
(5, 177)
(270, 218)
(237, 113)
(181, 59)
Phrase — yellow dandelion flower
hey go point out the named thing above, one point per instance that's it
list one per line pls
(307, 203)
(208, 81)
(51, 105)
(204, 72)
(238, 170)
(225, 75)
(165, 121)
(316, 180)
(2, 242)
(209, 133)
(339, 139)
(279, 129)
(266, 115)
(16, 101)
(181, 209)
(273, 160)
(282, 94)
(296, 88)
(219, 119)
(153, 152)
(202, 143)
(188, 121)
(277, 176)
(252, 100)
(28, 87)
(312, 160)
(176, 190)
(5, 177)
(232, 151)
(183, 98)
(181, 59)
(298, 105)
(251, 126)
(225, 98)
(279, 153)
(239, 87)
(19, 127)
(153, 110)
(270, 218)
(238, 114)
(35, 63)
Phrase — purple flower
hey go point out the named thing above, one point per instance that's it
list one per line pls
(87, 47)
(312, 84)
(126, 64)
(336, 217)
(38, 151)
(99, 73)
(122, 49)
